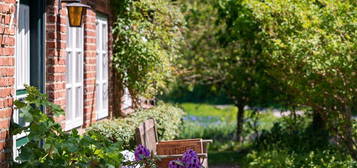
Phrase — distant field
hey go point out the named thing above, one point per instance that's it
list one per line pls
(226, 112)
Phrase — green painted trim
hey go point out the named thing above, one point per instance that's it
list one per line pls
(22, 141)
(21, 92)
(27, 2)
(37, 45)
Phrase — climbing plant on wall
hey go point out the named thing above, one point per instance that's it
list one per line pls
(146, 38)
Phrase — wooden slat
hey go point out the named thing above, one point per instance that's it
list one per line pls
(178, 141)
(146, 135)
(179, 147)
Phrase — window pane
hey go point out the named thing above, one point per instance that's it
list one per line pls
(98, 67)
(104, 42)
(105, 67)
(69, 37)
(79, 40)
(79, 99)
(69, 67)
(23, 48)
(69, 101)
(79, 65)
(105, 96)
(98, 100)
(98, 35)
(21, 120)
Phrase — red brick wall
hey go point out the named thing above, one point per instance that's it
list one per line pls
(89, 67)
(7, 75)
(56, 33)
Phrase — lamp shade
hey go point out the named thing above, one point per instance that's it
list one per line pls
(75, 13)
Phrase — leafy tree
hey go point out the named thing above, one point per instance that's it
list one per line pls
(147, 33)
(311, 47)
(234, 66)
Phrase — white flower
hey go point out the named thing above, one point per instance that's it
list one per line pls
(144, 39)
(129, 156)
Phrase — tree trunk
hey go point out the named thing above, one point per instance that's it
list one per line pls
(240, 121)
(318, 123)
(348, 133)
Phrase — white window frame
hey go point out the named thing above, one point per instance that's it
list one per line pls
(22, 66)
(74, 78)
(102, 67)
(23, 48)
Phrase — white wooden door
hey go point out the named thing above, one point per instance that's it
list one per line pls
(74, 78)
(102, 67)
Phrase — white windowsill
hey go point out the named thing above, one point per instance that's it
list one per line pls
(102, 115)
(71, 124)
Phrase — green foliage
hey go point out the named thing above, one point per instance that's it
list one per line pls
(310, 47)
(197, 93)
(49, 146)
(234, 69)
(278, 158)
(296, 145)
(168, 120)
(147, 34)
(229, 65)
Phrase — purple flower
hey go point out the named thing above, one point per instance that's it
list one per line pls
(176, 164)
(189, 155)
(141, 152)
(188, 160)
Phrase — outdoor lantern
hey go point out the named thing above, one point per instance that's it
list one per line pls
(75, 12)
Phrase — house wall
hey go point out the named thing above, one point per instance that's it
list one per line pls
(7, 73)
(55, 63)
(56, 32)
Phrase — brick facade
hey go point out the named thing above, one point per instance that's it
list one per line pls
(55, 64)
(7, 72)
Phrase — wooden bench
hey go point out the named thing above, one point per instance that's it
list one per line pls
(146, 134)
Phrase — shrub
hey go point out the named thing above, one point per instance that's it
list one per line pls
(297, 137)
(218, 131)
(296, 145)
(168, 120)
(280, 158)
(49, 146)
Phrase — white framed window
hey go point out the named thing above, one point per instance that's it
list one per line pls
(74, 78)
(23, 48)
(102, 66)
(22, 71)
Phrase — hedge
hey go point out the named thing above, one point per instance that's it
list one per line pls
(168, 121)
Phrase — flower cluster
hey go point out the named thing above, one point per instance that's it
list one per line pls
(128, 158)
(188, 160)
(141, 153)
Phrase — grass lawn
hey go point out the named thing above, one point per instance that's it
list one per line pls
(218, 123)
(227, 113)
